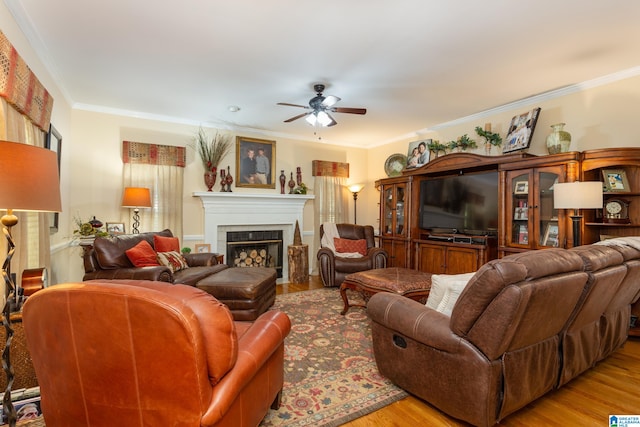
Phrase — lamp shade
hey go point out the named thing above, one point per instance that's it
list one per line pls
(136, 197)
(29, 178)
(577, 195)
(355, 188)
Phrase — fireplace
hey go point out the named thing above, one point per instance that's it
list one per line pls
(230, 212)
(246, 249)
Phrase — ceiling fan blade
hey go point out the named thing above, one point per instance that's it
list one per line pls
(296, 117)
(333, 122)
(349, 110)
(292, 105)
(329, 100)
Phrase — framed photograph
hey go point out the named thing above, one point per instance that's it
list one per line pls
(418, 153)
(616, 180)
(255, 162)
(520, 131)
(115, 228)
(203, 248)
(54, 143)
(523, 235)
(551, 235)
(521, 187)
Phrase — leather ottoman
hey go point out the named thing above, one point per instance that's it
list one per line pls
(409, 283)
(248, 292)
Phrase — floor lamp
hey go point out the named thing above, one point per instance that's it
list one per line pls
(355, 189)
(136, 198)
(577, 195)
(28, 182)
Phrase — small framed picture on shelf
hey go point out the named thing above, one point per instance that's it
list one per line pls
(203, 248)
(550, 237)
(616, 180)
(523, 235)
(115, 228)
(521, 187)
(521, 213)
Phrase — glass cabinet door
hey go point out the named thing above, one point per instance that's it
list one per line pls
(520, 209)
(549, 231)
(400, 193)
(534, 223)
(388, 211)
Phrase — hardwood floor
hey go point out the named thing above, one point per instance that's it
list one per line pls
(611, 388)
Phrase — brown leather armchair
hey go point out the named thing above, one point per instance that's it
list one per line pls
(334, 268)
(150, 353)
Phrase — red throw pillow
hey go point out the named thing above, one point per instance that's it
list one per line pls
(348, 245)
(142, 255)
(166, 244)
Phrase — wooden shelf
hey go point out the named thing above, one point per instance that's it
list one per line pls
(609, 224)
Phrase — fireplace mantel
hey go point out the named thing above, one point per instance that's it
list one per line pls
(246, 211)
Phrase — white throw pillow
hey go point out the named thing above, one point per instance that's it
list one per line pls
(445, 290)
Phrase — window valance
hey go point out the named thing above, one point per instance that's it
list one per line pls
(153, 154)
(326, 168)
(21, 88)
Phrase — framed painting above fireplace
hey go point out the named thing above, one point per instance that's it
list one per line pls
(255, 162)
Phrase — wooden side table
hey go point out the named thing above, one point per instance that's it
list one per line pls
(298, 263)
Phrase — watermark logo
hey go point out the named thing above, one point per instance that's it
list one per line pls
(624, 420)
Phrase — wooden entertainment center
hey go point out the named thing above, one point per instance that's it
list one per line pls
(526, 217)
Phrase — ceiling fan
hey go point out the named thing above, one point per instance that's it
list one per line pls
(320, 107)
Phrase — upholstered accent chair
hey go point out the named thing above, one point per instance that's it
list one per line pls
(139, 352)
(334, 267)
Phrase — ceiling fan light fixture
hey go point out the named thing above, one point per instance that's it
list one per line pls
(323, 118)
(311, 119)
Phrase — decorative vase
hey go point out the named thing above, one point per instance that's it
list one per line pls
(558, 140)
(283, 181)
(223, 180)
(210, 178)
(487, 149)
(292, 184)
(298, 176)
(229, 179)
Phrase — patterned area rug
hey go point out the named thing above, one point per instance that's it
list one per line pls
(330, 372)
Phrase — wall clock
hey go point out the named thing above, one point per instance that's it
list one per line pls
(616, 211)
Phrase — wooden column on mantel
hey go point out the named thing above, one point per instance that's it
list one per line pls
(298, 259)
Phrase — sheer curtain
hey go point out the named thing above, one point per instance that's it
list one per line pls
(331, 204)
(161, 169)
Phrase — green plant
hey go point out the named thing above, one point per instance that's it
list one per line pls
(186, 250)
(86, 229)
(301, 189)
(465, 142)
(436, 147)
(211, 152)
(490, 137)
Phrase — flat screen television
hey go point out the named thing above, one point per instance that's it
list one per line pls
(460, 204)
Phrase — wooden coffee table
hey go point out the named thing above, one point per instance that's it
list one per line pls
(409, 283)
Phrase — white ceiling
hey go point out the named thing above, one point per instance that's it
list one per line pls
(413, 64)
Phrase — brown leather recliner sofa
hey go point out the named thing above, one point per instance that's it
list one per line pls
(248, 292)
(164, 355)
(334, 268)
(524, 325)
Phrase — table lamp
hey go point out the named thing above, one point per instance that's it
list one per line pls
(29, 182)
(577, 195)
(136, 198)
(355, 189)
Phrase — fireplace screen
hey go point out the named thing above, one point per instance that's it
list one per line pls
(255, 249)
